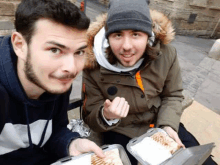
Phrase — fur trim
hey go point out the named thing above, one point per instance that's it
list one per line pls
(94, 28)
(162, 27)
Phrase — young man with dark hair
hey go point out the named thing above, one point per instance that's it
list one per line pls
(38, 63)
(132, 80)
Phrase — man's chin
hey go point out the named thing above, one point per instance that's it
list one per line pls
(58, 91)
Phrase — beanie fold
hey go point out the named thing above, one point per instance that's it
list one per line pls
(129, 24)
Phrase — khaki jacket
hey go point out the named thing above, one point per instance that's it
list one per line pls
(159, 102)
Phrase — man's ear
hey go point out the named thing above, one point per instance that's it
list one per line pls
(19, 45)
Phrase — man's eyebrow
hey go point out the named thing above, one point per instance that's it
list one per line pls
(57, 44)
(82, 47)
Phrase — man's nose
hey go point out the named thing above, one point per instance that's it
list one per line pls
(127, 44)
(69, 64)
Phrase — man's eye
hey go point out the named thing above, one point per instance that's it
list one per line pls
(55, 50)
(80, 53)
(135, 34)
(117, 35)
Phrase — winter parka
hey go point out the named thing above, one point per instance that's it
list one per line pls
(157, 102)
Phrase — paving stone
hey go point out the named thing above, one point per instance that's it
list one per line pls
(201, 72)
(187, 79)
(216, 68)
(192, 81)
(208, 93)
(185, 65)
(188, 52)
(207, 63)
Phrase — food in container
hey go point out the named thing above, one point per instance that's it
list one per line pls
(155, 148)
(115, 155)
(166, 141)
(112, 158)
(147, 150)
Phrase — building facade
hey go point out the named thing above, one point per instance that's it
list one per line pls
(7, 11)
(199, 18)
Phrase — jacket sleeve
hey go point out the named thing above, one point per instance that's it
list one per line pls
(61, 137)
(93, 103)
(170, 110)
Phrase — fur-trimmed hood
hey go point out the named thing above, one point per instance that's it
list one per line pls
(161, 26)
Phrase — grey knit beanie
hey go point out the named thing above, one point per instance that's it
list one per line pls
(128, 15)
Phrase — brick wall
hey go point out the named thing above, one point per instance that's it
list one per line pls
(7, 9)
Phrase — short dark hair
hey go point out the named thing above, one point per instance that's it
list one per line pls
(60, 11)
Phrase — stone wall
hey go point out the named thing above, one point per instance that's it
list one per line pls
(200, 18)
(204, 14)
(7, 10)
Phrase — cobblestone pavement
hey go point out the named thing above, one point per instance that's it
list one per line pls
(201, 74)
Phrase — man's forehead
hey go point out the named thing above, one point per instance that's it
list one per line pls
(50, 28)
(48, 31)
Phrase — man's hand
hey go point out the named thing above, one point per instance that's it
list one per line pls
(116, 109)
(173, 135)
(80, 146)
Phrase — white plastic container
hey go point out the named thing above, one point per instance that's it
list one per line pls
(189, 156)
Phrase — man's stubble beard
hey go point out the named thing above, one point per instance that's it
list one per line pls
(32, 77)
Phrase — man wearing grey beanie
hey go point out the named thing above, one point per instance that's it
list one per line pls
(132, 79)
